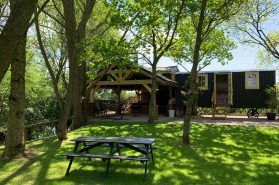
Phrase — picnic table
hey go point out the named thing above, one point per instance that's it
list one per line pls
(115, 144)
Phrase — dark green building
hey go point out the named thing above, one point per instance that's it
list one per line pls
(237, 89)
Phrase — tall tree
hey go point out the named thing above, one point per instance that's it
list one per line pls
(206, 19)
(51, 42)
(15, 140)
(77, 80)
(14, 31)
(152, 28)
(257, 23)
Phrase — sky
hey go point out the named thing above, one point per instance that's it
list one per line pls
(244, 58)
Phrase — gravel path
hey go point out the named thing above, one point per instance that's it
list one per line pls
(206, 119)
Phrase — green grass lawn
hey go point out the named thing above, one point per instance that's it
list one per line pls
(218, 155)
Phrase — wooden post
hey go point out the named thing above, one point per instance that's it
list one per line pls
(118, 94)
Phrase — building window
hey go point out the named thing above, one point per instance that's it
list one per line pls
(252, 80)
(202, 81)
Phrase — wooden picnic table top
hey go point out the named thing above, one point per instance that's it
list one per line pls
(128, 140)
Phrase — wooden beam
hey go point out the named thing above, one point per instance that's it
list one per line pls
(117, 78)
(147, 87)
(92, 93)
(128, 72)
(124, 82)
(120, 74)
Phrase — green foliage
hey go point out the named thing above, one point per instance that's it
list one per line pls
(4, 94)
(108, 94)
(40, 100)
(105, 51)
(256, 27)
(150, 25)
(216, 43)
(242, 155)
(273, 98)
(105, 94)
(266, 60)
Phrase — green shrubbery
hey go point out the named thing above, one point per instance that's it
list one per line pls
(40, 101)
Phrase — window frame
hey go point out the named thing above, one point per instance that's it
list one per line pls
(257, 80)
(205, 86)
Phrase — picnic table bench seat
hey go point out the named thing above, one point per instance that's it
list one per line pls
(108, 157)
(123, 146)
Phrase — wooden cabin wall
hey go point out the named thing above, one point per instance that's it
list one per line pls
(242, 98)
(205, 95)
(204, 99)
(162, 99)
(251, 98)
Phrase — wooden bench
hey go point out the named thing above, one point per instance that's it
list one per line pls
(104, 157)
(122, 146)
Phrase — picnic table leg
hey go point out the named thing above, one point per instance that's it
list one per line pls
(145, 170)
(69, 166)
(107, 170)
(118, 150)
(148, 149)
(71, 159)
(108, 163)
(151, 152)
(84, 144)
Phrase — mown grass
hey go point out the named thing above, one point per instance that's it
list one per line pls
(218, 155)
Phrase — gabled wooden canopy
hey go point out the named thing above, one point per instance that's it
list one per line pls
(129, 78)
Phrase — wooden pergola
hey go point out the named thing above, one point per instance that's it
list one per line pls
(131, 78)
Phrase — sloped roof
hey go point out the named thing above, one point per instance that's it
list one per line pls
(159, 75)
(168, 69)
(129, 77)
(229, 71)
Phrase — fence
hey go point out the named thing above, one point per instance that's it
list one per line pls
(36, 130)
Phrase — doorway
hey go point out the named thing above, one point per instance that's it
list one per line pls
(223, 89)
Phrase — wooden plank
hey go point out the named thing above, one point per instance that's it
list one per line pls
(130, 140)
(122, 146)
(147, 87)
(128, 72)
(109, 156)
(117, 78)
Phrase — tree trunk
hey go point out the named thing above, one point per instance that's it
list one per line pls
(152, 102)
(47, 63)
(81, 104)
(13, 31)
(63, 120)
(77, 68)
(15, 138)
(195, 105)
(193, 77)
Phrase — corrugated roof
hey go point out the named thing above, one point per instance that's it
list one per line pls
(168, 69)
(229, 71)
(158, 75)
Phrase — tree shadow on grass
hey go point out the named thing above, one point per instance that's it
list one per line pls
(218, 155)
(236, 154)
(50, 147)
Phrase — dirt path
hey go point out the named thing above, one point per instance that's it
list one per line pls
(206, 119)
(239, 120)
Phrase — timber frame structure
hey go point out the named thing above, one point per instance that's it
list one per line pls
(136, 78)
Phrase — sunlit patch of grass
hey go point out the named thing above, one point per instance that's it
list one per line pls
(217, 155)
